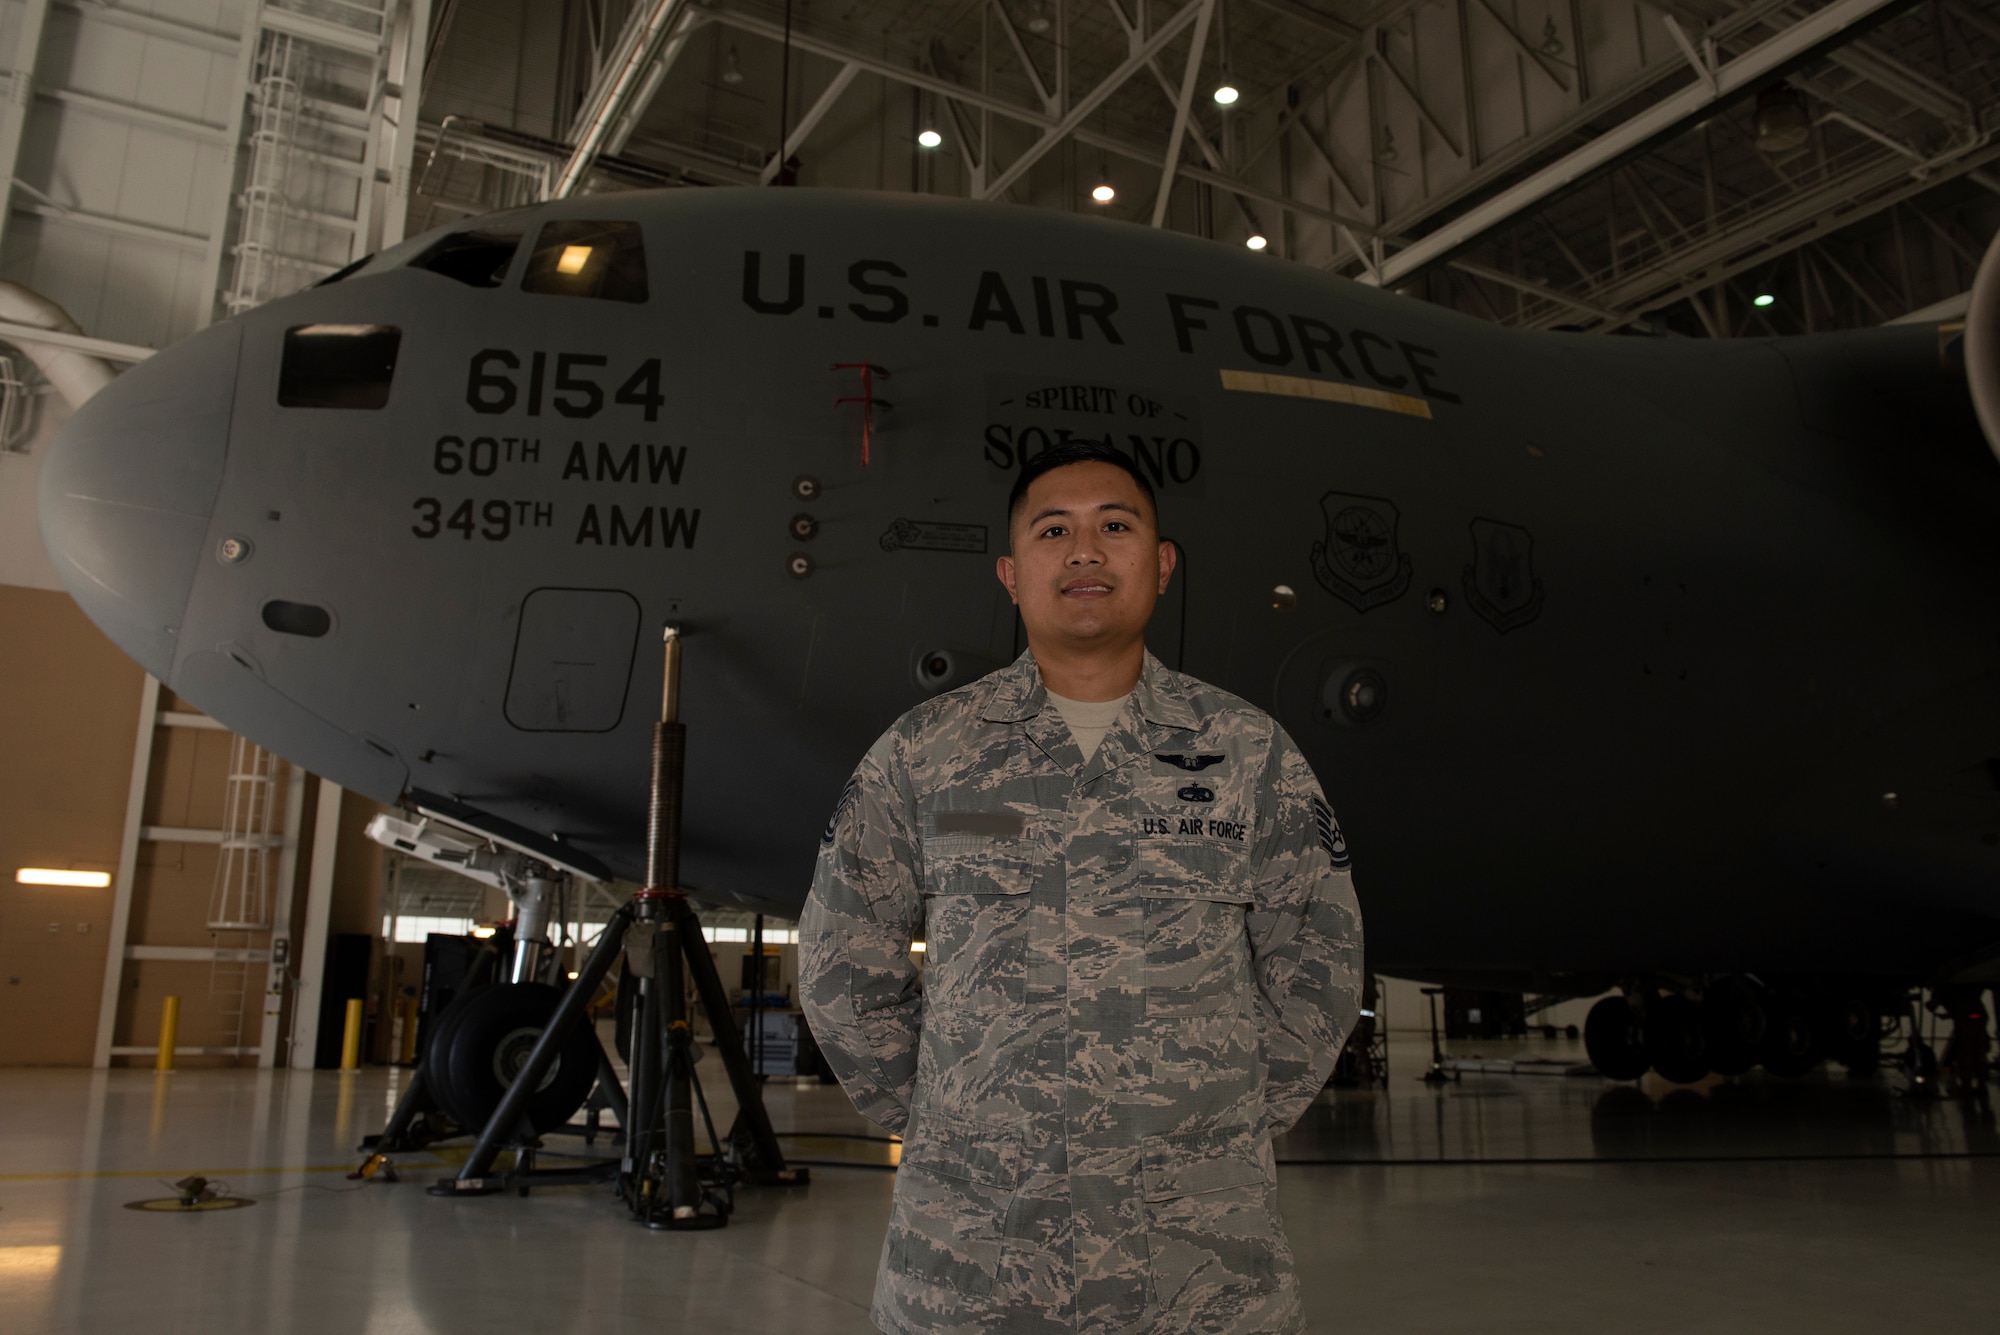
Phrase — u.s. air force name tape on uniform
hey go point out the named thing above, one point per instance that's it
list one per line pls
(1138, 970)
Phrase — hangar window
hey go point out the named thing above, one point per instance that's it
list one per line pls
(338, 365)
(297, 618)
(475, 258)
(606, 260)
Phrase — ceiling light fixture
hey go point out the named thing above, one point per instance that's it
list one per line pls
(1226, 92)
(1103, 193)
(930, 138)
(85, 880)
(1552, 42)
(732, 68)
(1256, 242)
(1782, 123)
(1038, 17)
(1763, 299)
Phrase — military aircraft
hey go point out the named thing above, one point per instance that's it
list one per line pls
(1658, 662)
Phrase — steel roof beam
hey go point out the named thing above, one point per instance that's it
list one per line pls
(1670, 114)
(617, 98)
(809, 122)
(1183, 108)
(1096, 97)
(1811, 218)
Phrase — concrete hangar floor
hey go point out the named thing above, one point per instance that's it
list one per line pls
(1508, 1203)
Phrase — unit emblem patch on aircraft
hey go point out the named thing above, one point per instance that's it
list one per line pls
(1501, 584)
(1358, 561)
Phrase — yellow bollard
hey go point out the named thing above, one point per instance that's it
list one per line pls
(170, 1026)
(350, 1041)
(409, 1033)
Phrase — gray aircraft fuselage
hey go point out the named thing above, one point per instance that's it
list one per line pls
(1608, 652)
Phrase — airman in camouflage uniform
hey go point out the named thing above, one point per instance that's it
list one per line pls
(1140, 967)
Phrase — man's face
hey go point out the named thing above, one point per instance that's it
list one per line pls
(1087, 561)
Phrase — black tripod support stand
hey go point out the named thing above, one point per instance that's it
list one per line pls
(661, 1178)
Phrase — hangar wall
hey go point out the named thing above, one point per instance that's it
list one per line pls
(69, 704)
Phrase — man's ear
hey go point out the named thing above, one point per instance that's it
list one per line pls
(1170, 556)
(1004, 568)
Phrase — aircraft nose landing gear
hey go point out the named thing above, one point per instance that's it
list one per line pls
(482, 1041)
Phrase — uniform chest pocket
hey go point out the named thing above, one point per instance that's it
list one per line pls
(976, 896)
(1194, 899)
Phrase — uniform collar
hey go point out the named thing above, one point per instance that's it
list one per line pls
(1018, 694)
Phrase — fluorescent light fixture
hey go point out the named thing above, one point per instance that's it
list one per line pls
(573, 259)
(572, 975)
(1226, 94)
(88, 880)
(916, 947)
(1104, 194)
(930, 138)
(30, 1260)
(1256, 243)
(1763, 299)
(482, 932)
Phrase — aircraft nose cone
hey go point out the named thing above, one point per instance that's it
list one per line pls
(128, 486)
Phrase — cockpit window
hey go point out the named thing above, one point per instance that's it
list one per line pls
(338, 365)
(606, 260)
(475, 258)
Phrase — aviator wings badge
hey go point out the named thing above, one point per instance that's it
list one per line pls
(1192, 764)
(1358, 561)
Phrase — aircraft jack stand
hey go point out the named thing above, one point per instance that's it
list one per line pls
(1437, 1075)
(662, 1180)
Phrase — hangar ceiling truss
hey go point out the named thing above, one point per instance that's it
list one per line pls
(1597, 164)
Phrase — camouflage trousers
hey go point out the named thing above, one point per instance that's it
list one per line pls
(1156, 1239)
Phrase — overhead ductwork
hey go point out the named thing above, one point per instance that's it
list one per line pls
(75, 375)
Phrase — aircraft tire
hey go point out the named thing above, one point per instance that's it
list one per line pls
(1676, 1044)
(1613, 1041)
(1854, 1029)
(1734, 1021)
(1792, 1042)
(484, 1038)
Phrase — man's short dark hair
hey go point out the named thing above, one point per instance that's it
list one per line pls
(1077, 452)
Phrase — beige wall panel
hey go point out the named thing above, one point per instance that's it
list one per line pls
(187, 785)
(207, 1019)
(68, 706)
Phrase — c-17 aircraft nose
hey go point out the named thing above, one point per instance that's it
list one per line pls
(127, 490)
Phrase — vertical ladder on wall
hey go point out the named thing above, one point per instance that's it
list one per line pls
(239, 905)
(259, 812)
(327, 124)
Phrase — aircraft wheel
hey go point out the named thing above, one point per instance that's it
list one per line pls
(1674, 1039)
(484, 1040)
(1733, 1020)
(1792, 1040)
(1613, 1041)
(1854, 1033)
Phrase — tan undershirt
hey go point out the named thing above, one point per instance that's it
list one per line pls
(1088, 720)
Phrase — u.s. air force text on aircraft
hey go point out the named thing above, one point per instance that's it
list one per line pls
(1081, 310)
